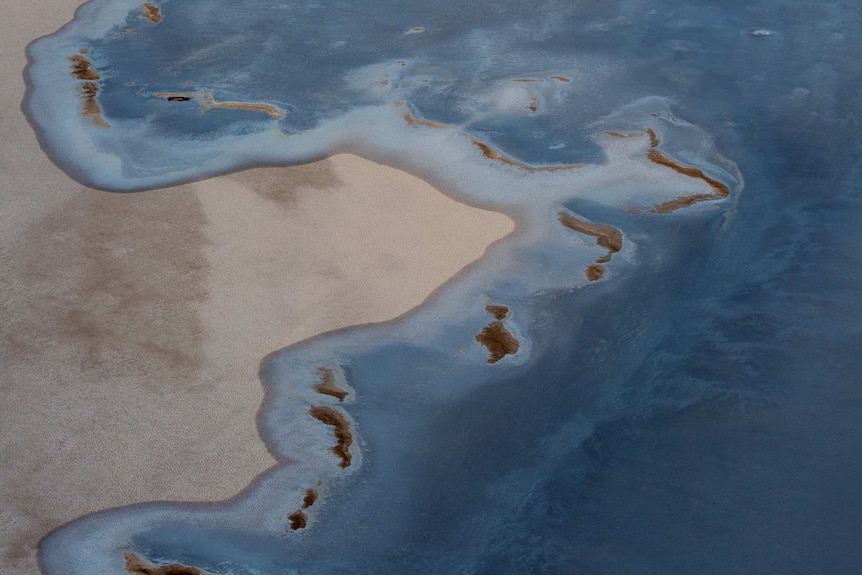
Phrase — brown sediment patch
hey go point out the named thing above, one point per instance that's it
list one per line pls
(298, 520)
(493, 154)
(178, 98)
(139, 566)
(533, 106)
(152, 12)
(495, 337)
(310, 498)
(82, 69)
(607, 237)
(90, 107)
(499, 342)
(413, 121)
(595, 272)
(653, 138)
(343, 437)
(526, 80)
(209, 103)
(328, 386)
(720, 192)
(499, 312)
(560, 78)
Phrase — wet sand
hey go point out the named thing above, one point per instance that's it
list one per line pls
(133, 325)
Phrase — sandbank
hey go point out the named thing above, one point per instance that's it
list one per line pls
(133, 324)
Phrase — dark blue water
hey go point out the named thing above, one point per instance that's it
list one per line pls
(699, 411)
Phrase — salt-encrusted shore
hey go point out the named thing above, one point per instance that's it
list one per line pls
(133, 324)
(149, 312)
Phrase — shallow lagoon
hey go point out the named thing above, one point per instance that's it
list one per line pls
(696, 410)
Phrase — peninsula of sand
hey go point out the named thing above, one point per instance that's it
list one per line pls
(133, 324)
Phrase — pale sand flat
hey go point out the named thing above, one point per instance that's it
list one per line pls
(133, 325)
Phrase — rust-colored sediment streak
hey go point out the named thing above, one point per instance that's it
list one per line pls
(560, 78)
(661, 159)
(140, 566)
(413, 121)
(526, 80)
(328, 386)
(493, 154)
(90, 107)
(310, 498)
(615, 134)
(607, 237)
(653, 138)
(208, 103)
(683, 202)
(495, 337)
(152, 12)
(81, 68)
(720, 192)
(343, 437)
(298, 520)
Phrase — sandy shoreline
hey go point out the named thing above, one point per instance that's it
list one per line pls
(133, 324)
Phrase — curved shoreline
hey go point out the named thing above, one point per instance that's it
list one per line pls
(478, 178)
(220, 393)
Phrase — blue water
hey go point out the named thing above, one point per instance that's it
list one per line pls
(697, 411)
